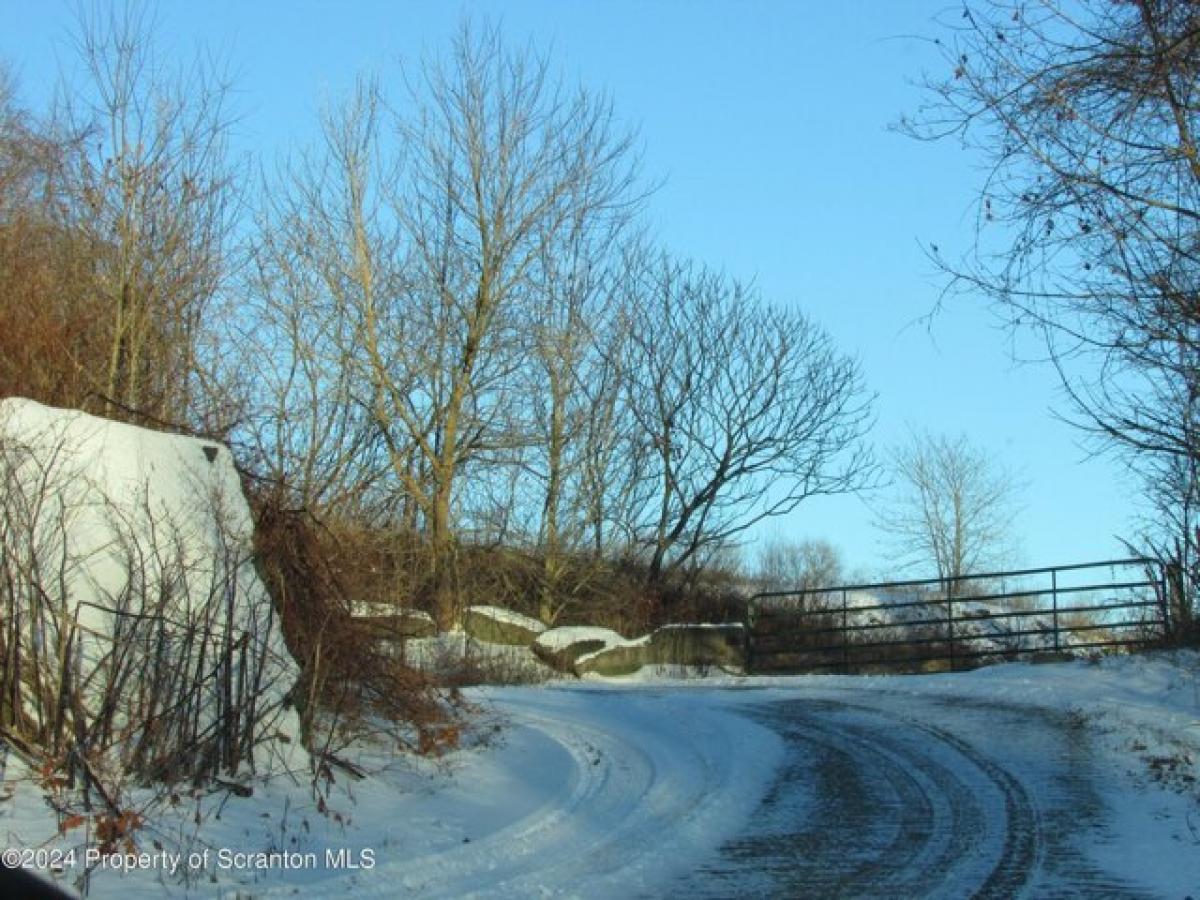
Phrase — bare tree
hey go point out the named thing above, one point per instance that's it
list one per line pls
(501, 160)
(1087, 115)
(1171, 532)
(572, 394)
(742, 412)
(320, 285)
(50, 347)
(151, 196)
(799, 565)
(608, 477)
(953, 508)
(422, 273)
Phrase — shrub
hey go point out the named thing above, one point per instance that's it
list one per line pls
(350, 682)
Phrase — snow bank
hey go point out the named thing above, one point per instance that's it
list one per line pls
(373, 609)
(568, 635)
(500, 614)
(134, 531)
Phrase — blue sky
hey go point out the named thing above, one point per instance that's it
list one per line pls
(767, 123)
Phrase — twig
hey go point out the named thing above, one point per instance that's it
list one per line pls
(356, 771)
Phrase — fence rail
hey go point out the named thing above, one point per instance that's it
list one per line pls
(934, 624)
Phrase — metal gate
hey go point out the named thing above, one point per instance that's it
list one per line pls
(936, 624)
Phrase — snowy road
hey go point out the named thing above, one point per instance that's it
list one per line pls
(889, 795)
(1041, 781)
(1023, 781)
(617, 792)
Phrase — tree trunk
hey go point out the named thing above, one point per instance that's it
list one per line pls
(445, 595)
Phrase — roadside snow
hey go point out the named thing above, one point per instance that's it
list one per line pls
(454, 653)
(571, 793)
(619, 789)
(140, 539)
(500, 614)
(561, 638)
(667, 674)
(985, 627)
(109, 483)
(368, 609)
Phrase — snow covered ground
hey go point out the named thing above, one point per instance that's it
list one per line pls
(1076, 779)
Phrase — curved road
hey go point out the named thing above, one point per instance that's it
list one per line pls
(823, 788)
(900, 796)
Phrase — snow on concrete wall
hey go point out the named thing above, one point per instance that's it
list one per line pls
(120, 524)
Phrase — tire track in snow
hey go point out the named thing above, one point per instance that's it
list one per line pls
(862, 811)
(900, 800)
(835, 792)
(652, 786)
(693, 794)
(603, 773)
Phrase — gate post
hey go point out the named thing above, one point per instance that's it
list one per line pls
(845, 635)
(1173, 596)
(747, 633)
(950, 626)
(1054, 601)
